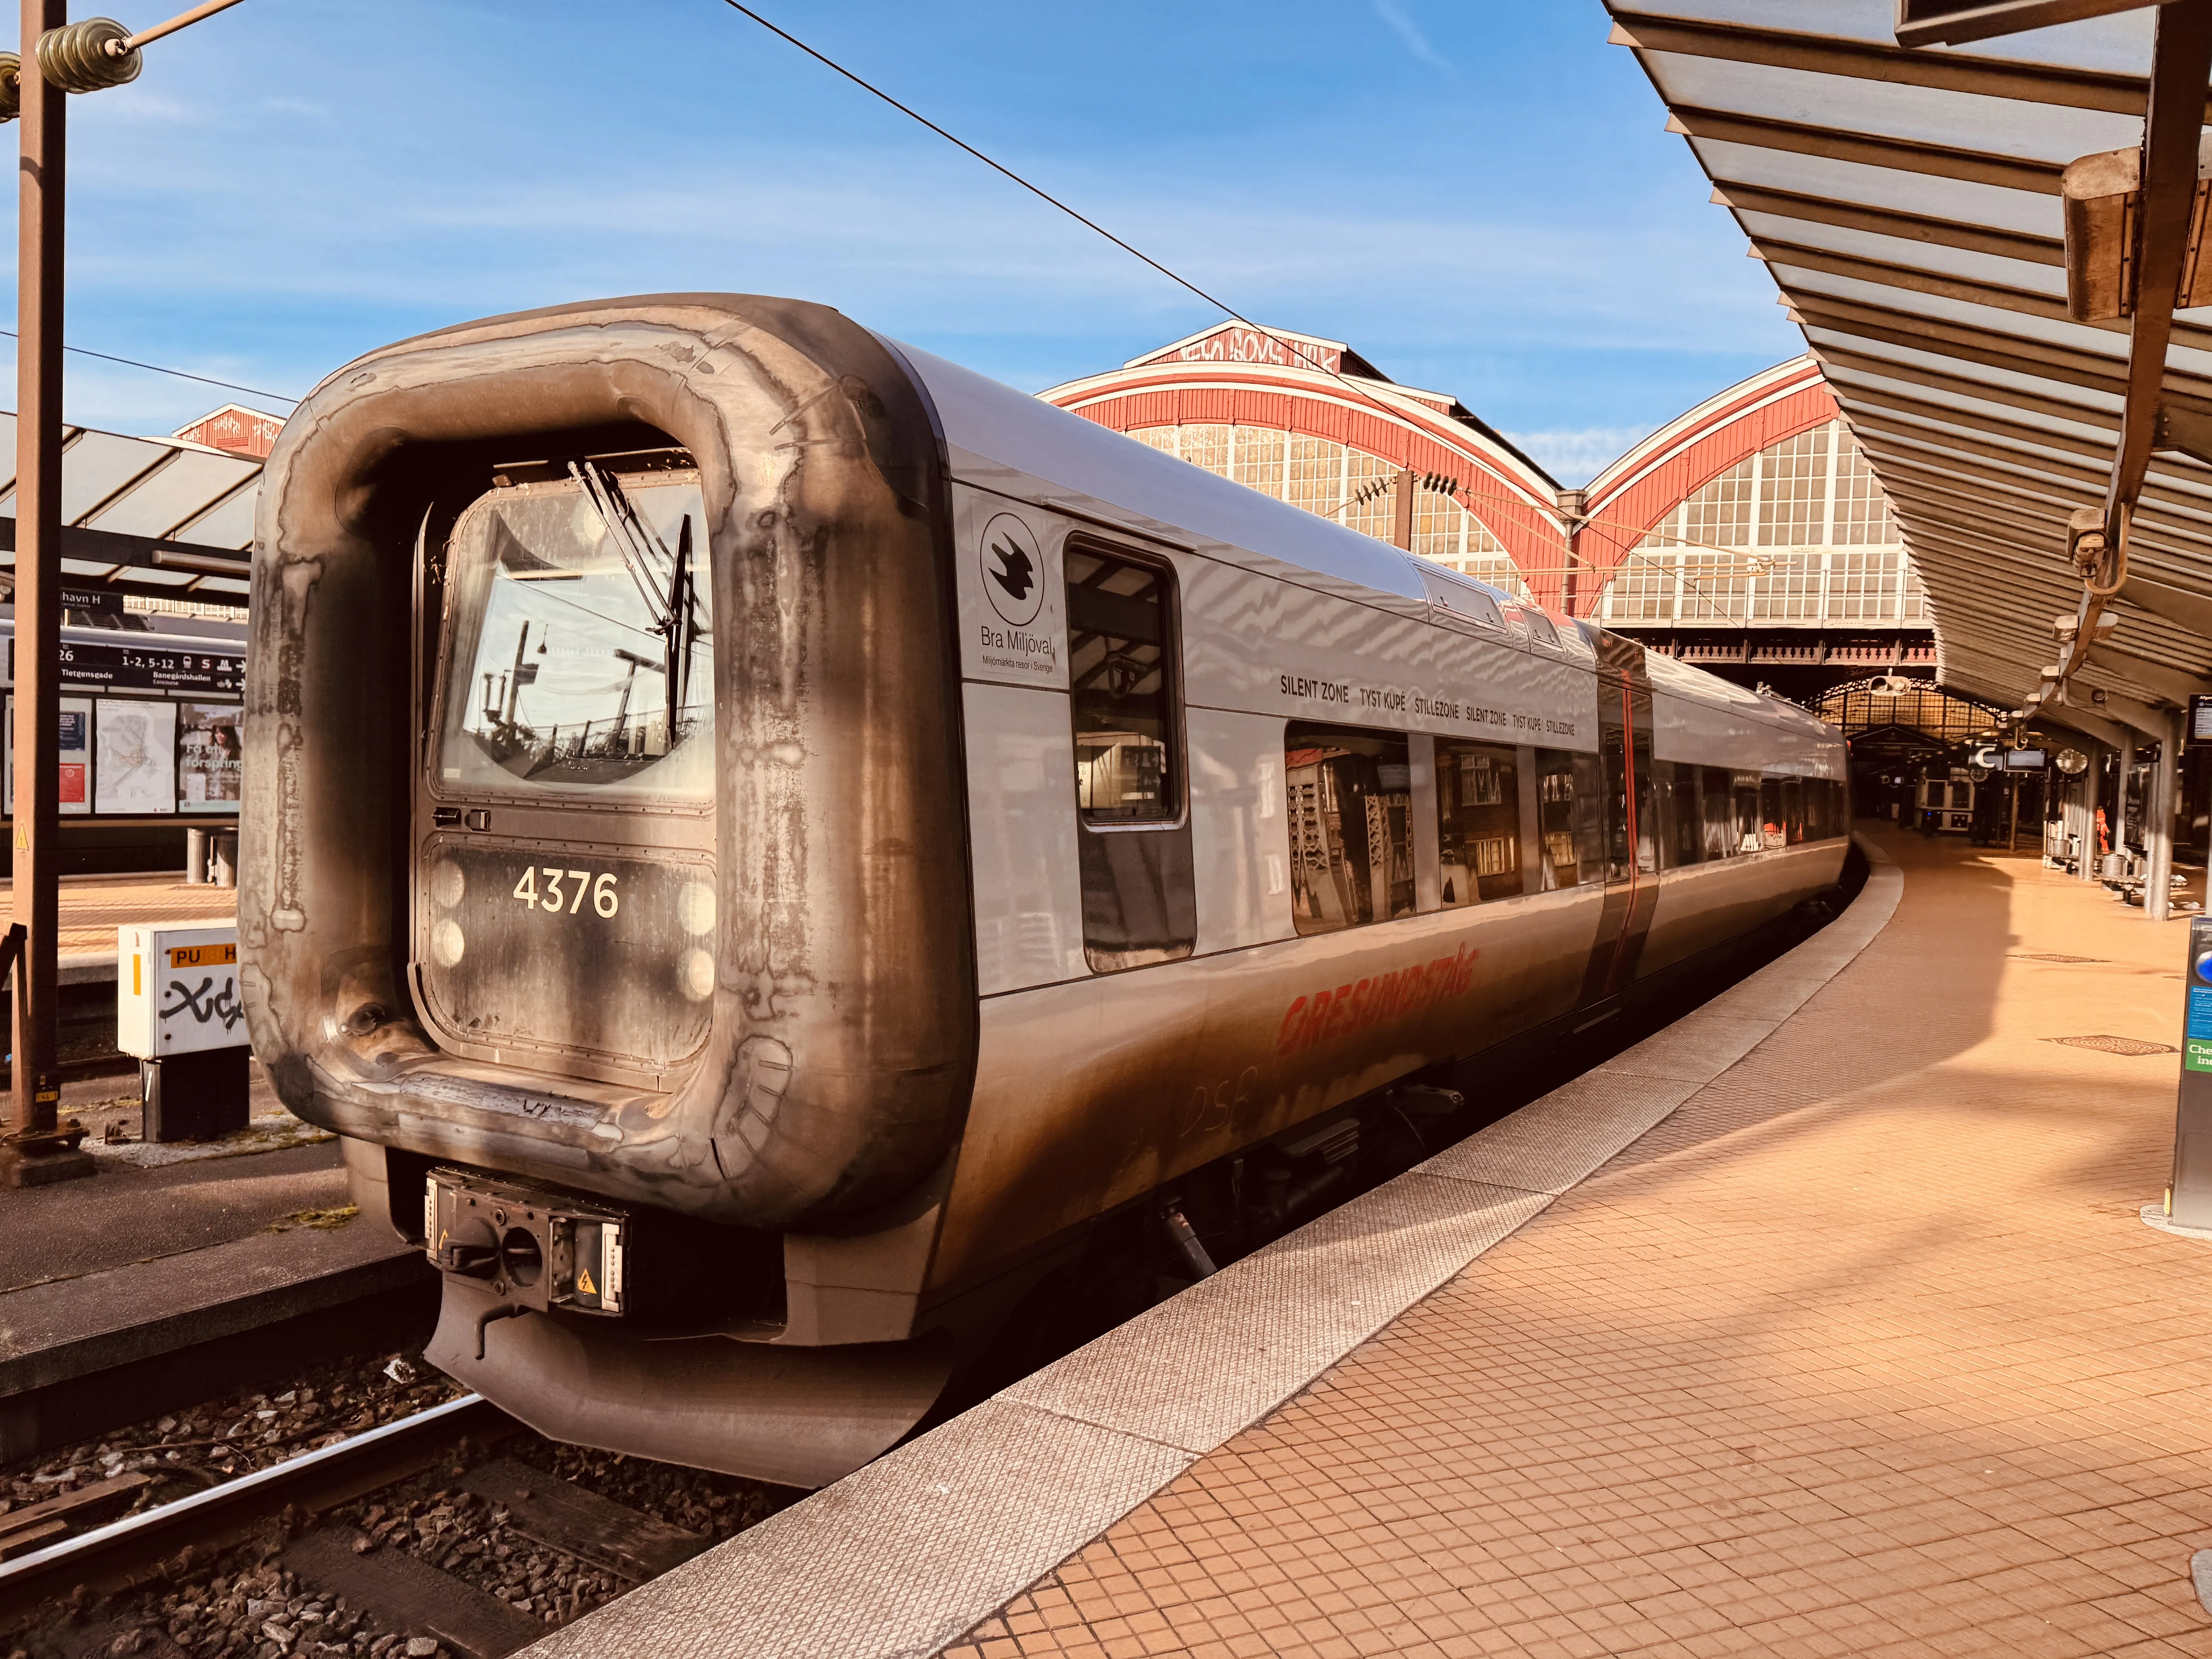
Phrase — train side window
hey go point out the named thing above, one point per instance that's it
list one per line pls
(1749, 836)
(1570, 817)
(1120, 684)
(1478, 821)
(1771, 832)
(1140, 888)
(1793, 810)
(1686, 837)
(1351, 800)
(1718, 806)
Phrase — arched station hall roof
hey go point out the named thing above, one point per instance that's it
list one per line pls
(1756, 508)
(1310, 421)
(1623, 502)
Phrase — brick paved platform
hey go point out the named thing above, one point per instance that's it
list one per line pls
(1821, 1322)
(94, 907)
(1862, 1350)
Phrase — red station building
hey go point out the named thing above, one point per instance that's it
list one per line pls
(1748, 534)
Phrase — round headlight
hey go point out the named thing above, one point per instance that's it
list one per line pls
(446, 942)
(447, 884)
(695, 907)
(695, 974)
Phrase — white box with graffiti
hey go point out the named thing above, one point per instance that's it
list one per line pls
(176, 991)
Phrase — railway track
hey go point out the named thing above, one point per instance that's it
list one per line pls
(68, 1573)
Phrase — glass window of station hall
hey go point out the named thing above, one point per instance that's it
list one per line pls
(1118, 681)
(1350, 799)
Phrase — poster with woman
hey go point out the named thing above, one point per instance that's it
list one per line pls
(207, 755)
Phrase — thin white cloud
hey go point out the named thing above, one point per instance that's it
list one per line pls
(1575, 457)
(1401, 24)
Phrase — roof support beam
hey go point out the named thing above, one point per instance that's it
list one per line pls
(1864, 60)
(1994, 426)
(2036, 359)
(1988, 392)
(1868, 150)
(1888, 221)
(1963, 289)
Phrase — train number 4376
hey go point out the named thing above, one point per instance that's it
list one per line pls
(554, 897)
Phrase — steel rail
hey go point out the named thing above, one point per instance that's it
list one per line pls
(142, 1547)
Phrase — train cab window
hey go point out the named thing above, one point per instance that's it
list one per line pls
(1350, 797)
(1139, 892)
(1750, 837)
(1478, 821)
(580, 652)
(1718, 806)
(1570, 818)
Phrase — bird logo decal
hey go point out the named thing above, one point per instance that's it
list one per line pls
(1015, 573)
(1012, 569)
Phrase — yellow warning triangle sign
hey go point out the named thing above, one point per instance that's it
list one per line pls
(584, 1282)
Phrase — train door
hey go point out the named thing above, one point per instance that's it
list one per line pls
(1631, 826)
(564, 892)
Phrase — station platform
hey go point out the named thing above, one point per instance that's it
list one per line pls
(94, 907)
(1822, 1322)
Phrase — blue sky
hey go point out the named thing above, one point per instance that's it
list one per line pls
(1475, 193)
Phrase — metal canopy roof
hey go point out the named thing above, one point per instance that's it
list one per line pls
(1906, 201)
(155, 514)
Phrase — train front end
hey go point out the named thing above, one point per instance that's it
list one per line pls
(604, 878)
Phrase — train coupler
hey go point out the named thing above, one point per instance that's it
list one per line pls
(535, 1248)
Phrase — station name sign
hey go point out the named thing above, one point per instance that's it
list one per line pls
(1241, 344)
(102, 667)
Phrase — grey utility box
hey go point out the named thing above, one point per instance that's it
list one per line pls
(177, 1009)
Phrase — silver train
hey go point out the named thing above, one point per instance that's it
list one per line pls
(760, 838)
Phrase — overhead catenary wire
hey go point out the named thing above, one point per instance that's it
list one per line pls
(1176, 277)
(1047, 197)
(181, 374)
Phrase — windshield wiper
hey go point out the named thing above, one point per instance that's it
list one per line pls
(627, 534)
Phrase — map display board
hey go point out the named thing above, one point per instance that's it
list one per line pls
(135, 768)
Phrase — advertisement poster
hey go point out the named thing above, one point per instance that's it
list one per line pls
(135, 768)
(207, 755)
(75, 743)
